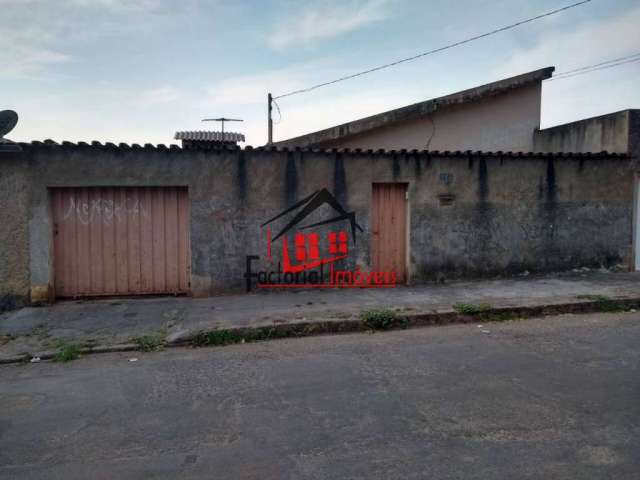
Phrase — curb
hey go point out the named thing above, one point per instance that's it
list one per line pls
(351, 325)
(121, 347)
(22, 358)
(414, 320)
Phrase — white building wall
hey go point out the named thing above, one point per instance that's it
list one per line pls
(502, 122)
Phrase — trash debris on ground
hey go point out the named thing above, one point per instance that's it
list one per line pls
(35, 360)
(485, 331)
(134, 359)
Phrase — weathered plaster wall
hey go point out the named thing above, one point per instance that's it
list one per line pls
(513, 216)
(14, 238)
(607, 132)
(502, 122)
(634, 134)
(634, 152)
(509, 215)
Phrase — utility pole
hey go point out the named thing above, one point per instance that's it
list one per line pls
(270, 120)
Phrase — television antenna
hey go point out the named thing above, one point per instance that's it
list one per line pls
(222, 120)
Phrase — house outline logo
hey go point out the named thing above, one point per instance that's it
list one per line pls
(311, 259)
(302, 266)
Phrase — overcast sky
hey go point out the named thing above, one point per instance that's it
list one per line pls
(138, 70)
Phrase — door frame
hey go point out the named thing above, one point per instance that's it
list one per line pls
(636, 224)
(407, 222)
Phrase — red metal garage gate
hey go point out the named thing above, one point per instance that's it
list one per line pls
(121, 241)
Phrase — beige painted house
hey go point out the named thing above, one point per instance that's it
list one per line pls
(498, 116)
(502, 115)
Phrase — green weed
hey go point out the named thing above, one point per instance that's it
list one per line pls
(67, 353)
(483, 312)
(217, 337)
(604, 303)
(230, 337)
(471, 309)
(150, 343)
(497, 316)
(382, 319)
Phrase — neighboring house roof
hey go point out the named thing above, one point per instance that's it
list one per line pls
(417, 110)
(210, 136)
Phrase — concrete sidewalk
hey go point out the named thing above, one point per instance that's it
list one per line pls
(111, 322)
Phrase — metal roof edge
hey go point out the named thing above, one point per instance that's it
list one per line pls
(209, 135)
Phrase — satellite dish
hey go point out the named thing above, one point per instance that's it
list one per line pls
(8, 120)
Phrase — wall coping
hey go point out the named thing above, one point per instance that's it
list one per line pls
(124, 147)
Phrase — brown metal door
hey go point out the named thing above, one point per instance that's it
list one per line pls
(121, 241)
(389, 222)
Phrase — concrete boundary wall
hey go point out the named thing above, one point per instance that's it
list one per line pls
(15, 190)
(472, 214)
(611, 132)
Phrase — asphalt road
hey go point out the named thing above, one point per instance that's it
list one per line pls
(547, 398)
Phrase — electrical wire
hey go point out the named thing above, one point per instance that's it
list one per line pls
(279, 112)
(593, 70)
(598, 66)
(430, 52)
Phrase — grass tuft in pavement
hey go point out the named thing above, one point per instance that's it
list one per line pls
(471, 309)
(497, 316)
(604, 304)
(218, 337)
(67, 353)
(382, 319)
(150, 343)
(484, 312)
(230, 337)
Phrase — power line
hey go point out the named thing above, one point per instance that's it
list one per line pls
(593, 70)
(430, 52)
(279, 112)
(598, 66)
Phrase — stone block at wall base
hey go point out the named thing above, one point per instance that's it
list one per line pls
(200, 286)
(40, 295)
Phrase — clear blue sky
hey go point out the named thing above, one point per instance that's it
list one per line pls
(137, 71)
